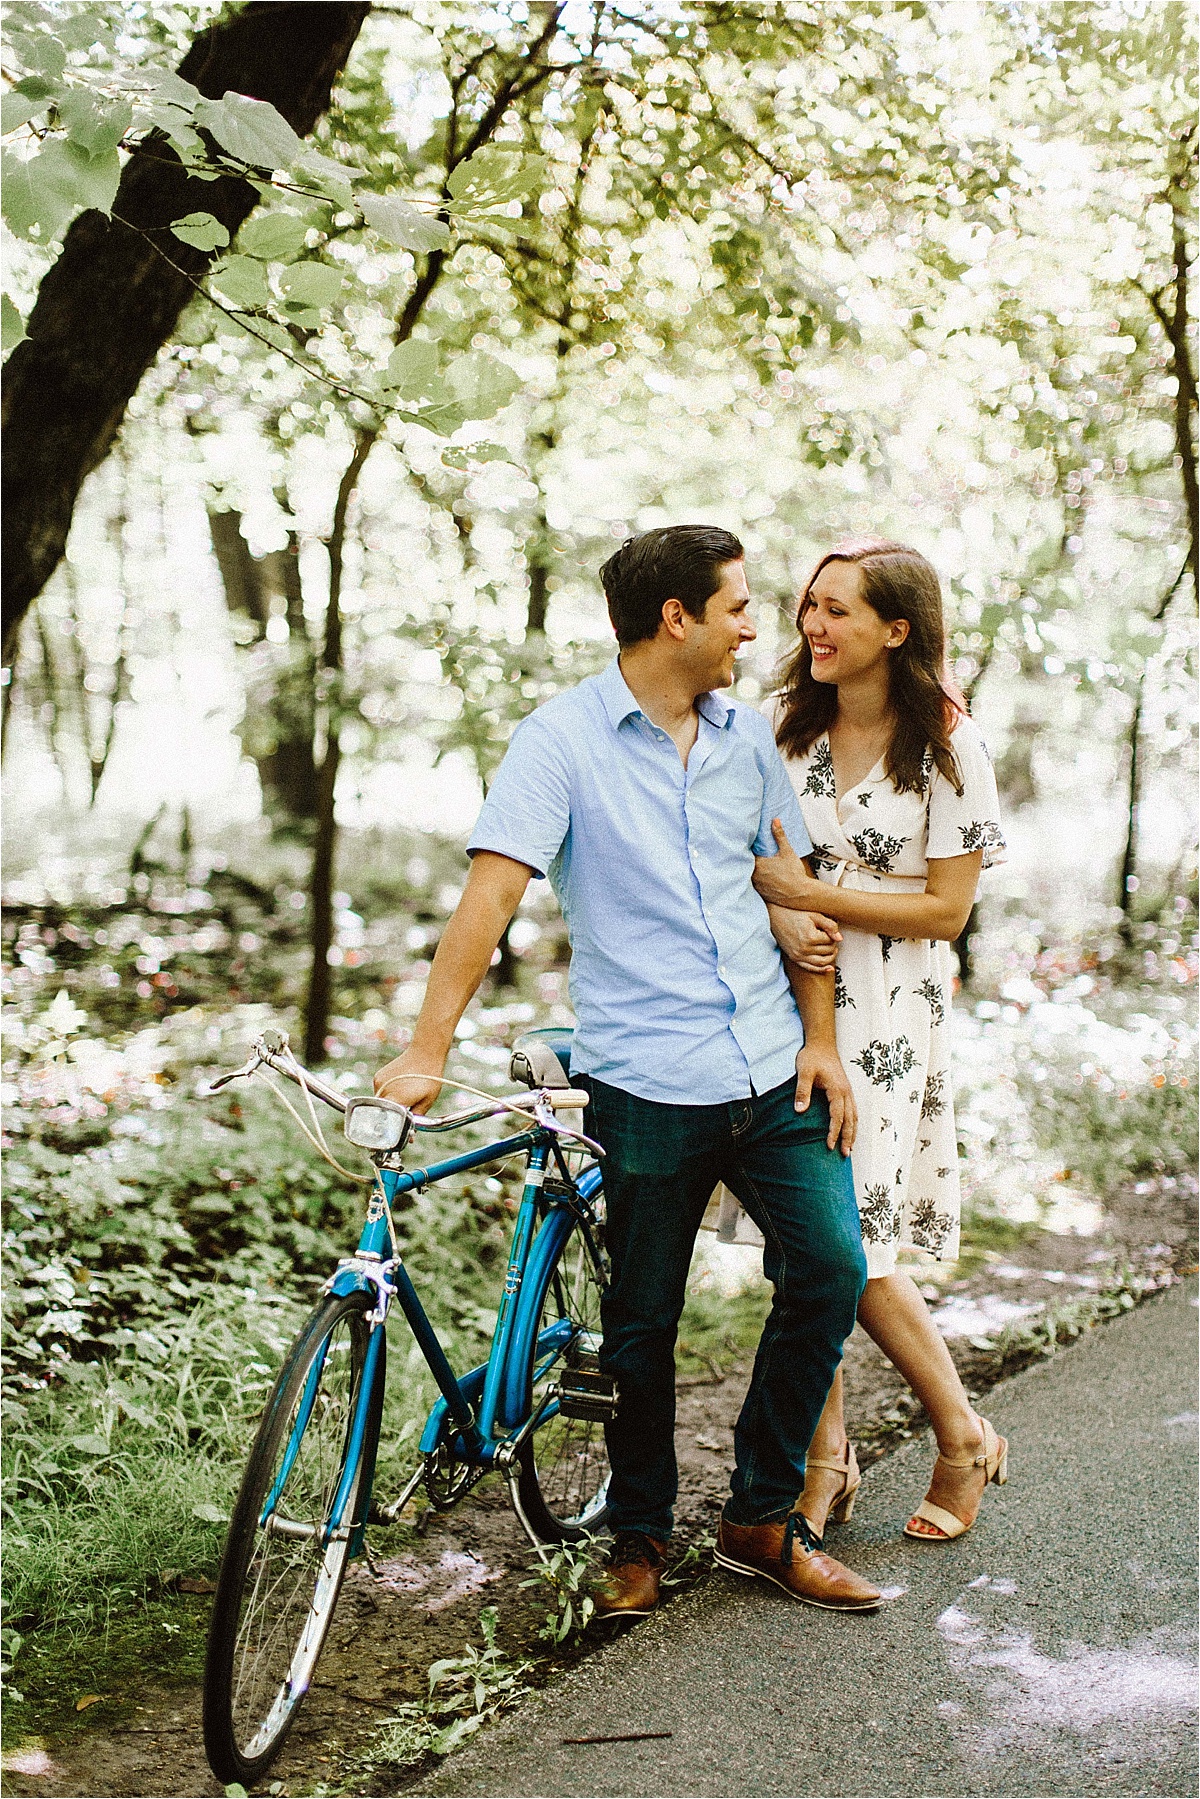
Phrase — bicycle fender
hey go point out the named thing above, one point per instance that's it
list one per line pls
(348, 1280)
(543, 1252)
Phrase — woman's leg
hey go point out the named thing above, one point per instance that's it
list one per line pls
(895, 1316)
(821, 1485)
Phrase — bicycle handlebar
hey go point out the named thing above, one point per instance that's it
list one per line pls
(272, 1050)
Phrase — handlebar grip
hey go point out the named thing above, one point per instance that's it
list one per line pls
(567, 1099)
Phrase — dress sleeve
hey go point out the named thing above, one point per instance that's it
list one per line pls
(960, 823)
(779, 798)
(527, 812)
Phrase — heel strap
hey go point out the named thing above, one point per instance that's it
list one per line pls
(988, 1454)
(849, 1467)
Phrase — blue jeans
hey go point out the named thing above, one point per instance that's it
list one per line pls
(661, 1166)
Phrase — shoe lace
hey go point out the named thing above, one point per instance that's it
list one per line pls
(798, 1526)
(631, 1547)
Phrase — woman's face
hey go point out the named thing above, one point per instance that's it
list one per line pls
(846, 636)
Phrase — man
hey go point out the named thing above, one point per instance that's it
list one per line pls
(645, 797)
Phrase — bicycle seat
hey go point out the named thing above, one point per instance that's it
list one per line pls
(543, 1058)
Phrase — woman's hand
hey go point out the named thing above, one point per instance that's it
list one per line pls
(808, 939)
(783, 880)
(819, 1065)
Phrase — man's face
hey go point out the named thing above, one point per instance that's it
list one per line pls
(711, 643)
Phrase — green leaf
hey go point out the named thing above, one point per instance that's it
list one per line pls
(173, 88)
(312, 284)
(47, 189)
(243, 281)
(481, 384)
(493, 177)
(176, 123)
(35, 88)
(202, 231)
(40, 52)
(16, 109)
(333, 178)
(401, 224)
(235, 1790)
(89, 1445)
(463, 458)
(83, 30)
(12, 326)
(95, 129)
(275, 236)
(412, 370)
(252, 130)
(209, 1514)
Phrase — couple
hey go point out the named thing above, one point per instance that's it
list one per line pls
(706, 984)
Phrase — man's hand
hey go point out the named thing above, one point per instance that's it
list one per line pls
(410, 1080)
(784, 880)
(819, 1065)
(808, 939)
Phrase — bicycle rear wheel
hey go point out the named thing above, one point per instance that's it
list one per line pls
(563, 1478)
(280, 1574)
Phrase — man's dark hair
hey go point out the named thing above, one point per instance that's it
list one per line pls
(680, 562)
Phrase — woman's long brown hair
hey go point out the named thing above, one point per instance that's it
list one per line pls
(897, 582)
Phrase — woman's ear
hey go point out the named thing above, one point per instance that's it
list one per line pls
(897, 634)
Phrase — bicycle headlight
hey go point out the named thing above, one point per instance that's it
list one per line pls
(377, 1124)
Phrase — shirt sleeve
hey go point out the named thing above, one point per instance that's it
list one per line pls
(779, 801)
(527, 811)
(960, 823)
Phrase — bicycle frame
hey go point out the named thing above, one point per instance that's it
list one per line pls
(497, 1386)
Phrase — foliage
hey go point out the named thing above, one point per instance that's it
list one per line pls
(1111, 1131)
(79, 105)
(562, 1576)
(465, 1692)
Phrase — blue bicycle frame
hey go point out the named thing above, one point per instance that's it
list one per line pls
(489, 1404)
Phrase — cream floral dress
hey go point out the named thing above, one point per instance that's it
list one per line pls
(893, 993)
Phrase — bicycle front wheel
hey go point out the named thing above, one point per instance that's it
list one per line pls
(564, 1472)
(282, 1568)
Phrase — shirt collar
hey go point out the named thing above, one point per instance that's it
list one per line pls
(620, 704)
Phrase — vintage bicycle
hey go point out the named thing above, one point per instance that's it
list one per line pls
(533, 1413)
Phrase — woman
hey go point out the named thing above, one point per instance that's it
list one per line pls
(900, 801)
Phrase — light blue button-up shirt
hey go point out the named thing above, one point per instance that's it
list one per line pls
(677, 983)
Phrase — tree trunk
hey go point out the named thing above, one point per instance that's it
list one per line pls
(110, 302)
(524, 76)
(1179, 329)
(316, 1011)
(287, 770)
(1127, 881)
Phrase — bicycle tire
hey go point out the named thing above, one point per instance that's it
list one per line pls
(563, 1467)
(276, 1592)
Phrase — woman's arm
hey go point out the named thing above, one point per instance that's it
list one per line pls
(941, 911)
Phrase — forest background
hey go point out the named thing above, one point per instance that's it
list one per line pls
(323, 407)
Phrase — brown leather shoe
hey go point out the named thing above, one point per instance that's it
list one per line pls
(629, 1586)
(789, 1554)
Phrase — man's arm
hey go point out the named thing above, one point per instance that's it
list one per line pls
(818, 1064)
(492, 894)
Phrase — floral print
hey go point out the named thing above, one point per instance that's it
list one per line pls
(819, 782)
(892, 994)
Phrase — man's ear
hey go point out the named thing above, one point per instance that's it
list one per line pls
(674, 618)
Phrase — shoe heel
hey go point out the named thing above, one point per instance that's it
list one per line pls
(1001, 1475)
(843, 1511)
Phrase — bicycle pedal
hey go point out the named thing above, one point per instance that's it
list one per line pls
(585, 1391)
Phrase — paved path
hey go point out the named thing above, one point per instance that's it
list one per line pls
(1050, 1651)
